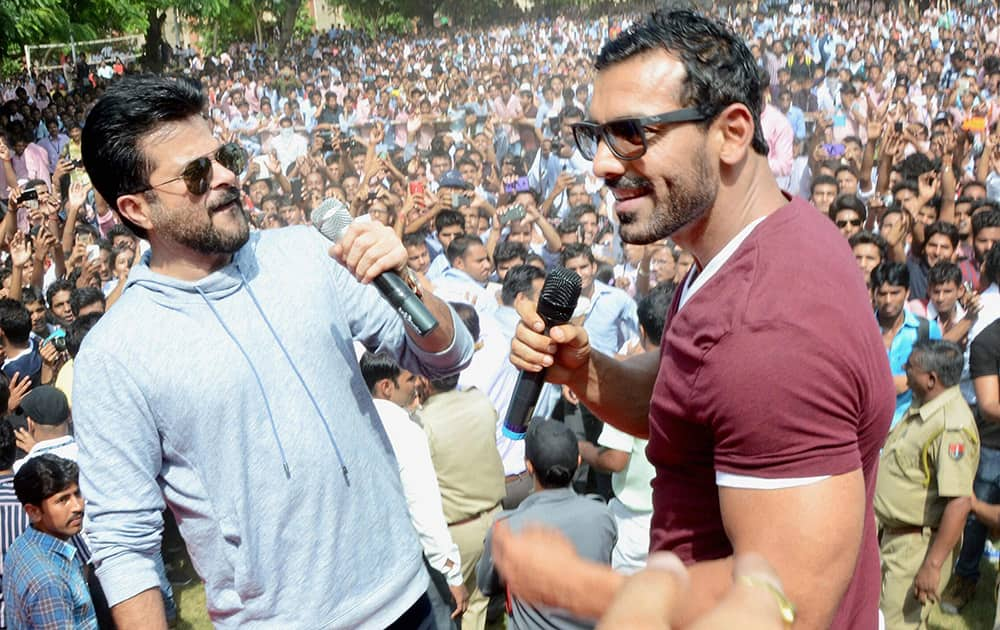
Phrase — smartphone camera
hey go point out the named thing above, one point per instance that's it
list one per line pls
(515, 212)
(28, 195)
(899, 127)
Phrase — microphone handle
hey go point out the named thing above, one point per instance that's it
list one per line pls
(399, 295)
(522, 404)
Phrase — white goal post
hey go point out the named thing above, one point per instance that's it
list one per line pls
(41, 57)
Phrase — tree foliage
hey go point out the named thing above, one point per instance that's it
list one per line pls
(218, 22)
(402, 15)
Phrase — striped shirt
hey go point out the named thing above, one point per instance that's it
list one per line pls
(13, 521)
(45, 586)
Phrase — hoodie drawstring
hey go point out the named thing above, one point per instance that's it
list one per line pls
(302, 381)
(260, 383)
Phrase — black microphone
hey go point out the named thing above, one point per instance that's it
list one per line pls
(332, 218)
(556, 304)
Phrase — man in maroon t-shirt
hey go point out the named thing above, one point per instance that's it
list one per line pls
(772, 395)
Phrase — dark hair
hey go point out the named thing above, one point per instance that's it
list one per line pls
(974, 184)
(506, 251)
(943, 358)
(4, 391)
(555, 457)
(864, 237)
(86, 228)
(569, 225)
(83, 297)
(128, 112)
(653, 309)
(414, 239)
(120, 229)
(43, 476)
(76, 331)
(533, 258)
(8, 445)
(943, 273)
(845, 167)
(458, 247)
(376, 367)
(582, 209)
(470, 318)
(986, 219)
(848, 202)
(571, 111)
(991, 265)
(829, 180)
(852, 140)
(719, 68)
(906, 184)
(56, 287)
(15, 321)
(575, 250)
(891, 273)
(31, 294)
(520, 279)
(447, 218)
(915, 165)
(949, 230)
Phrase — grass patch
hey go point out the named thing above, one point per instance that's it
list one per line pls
(977, 614)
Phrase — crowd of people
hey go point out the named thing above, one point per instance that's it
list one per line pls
(475, 149)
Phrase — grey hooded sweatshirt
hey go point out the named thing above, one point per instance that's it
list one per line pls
(238, 401)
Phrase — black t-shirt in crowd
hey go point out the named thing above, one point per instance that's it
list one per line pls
(984, 360)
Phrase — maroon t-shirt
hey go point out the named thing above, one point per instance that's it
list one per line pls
(776, 369)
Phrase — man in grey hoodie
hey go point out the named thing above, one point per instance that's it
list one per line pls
(223, 384)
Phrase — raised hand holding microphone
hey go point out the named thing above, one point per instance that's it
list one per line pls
(556, 303)
(374, 254)
(563, 352)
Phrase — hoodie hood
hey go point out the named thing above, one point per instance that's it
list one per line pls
(217, 285)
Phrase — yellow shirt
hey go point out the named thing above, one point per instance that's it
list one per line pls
(64, 381)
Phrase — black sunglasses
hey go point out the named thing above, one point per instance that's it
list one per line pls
(197, 174)
(626, 137)
(845, 222)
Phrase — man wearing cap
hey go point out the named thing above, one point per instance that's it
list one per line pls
(47, 413)
(924, 483)
(552, 456)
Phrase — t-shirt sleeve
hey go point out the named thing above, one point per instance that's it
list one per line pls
(780, 403)
(984, 354)
(615, 439)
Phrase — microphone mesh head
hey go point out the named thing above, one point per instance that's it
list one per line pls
(331, 218)
(558, 297)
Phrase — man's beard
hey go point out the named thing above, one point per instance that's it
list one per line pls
(202, 236)
(690, 195)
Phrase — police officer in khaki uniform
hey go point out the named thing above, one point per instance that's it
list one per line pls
(924, 486)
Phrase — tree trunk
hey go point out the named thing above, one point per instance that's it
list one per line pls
(154, 40)
(425, 13)
(288, 24)
(258, 33)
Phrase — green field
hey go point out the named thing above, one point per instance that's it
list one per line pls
(191, 600)
(978, 614)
